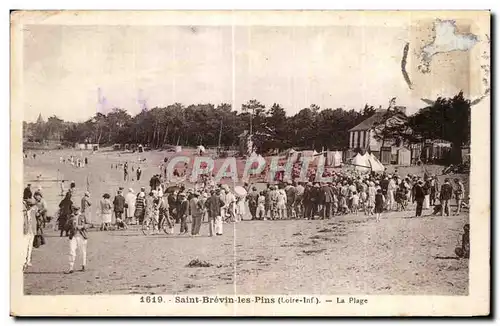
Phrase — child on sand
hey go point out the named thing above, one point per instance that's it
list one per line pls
(464, 251)
(379, 204)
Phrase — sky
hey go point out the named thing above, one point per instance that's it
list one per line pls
(64, 66)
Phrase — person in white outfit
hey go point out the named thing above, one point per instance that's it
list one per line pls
(281, 204)
(230, 203)
(77, 239)
(391, 191)
(29, 229)
(130, 204)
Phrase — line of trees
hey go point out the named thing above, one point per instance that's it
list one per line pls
(210, 125)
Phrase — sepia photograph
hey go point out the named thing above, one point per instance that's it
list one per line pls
(248, 160)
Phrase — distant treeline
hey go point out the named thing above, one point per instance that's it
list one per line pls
(210, 125)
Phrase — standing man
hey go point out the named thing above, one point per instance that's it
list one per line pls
(419, 196)
(130, 199)
(459, 194)
(29, 225)
(253, 197)
(327, 197)
(125, 171)
(214, 205)
(138, 173)
(182, 213)
(445, 197)
(119, 206)
(86, 213)
(27, 193)
(434, 190)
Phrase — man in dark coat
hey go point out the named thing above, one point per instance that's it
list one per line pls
(290, 200)
(213, 205)
(307, 200)
(65, 211)
(419, 196)
(445, 197)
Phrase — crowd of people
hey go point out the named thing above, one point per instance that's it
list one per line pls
(168, 204)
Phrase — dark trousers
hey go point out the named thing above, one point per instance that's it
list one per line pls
(308, 210)
(253, 210)
(315, 209)
(184, 225)
(118, 215)
(420, 203)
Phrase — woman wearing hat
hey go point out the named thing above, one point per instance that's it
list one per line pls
(85, 210)
(106, 211)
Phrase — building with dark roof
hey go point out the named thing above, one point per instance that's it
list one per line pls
(363, 135)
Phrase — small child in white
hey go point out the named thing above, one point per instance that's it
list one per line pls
(77, 239)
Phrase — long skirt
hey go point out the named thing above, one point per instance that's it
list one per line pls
(427, 202)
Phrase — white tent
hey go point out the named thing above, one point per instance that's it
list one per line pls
(367, 163)
(201, 148)
(334, 158)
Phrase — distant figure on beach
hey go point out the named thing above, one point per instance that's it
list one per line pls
(125, 171)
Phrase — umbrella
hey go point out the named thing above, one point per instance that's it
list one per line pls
(240, 191)
(172, 189)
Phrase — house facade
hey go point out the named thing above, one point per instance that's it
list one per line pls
(362, 136)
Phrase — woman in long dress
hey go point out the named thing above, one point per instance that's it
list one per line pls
(371, 198)
(140, 207)
(106, 211)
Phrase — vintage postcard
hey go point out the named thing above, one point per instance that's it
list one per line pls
(250, 163)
